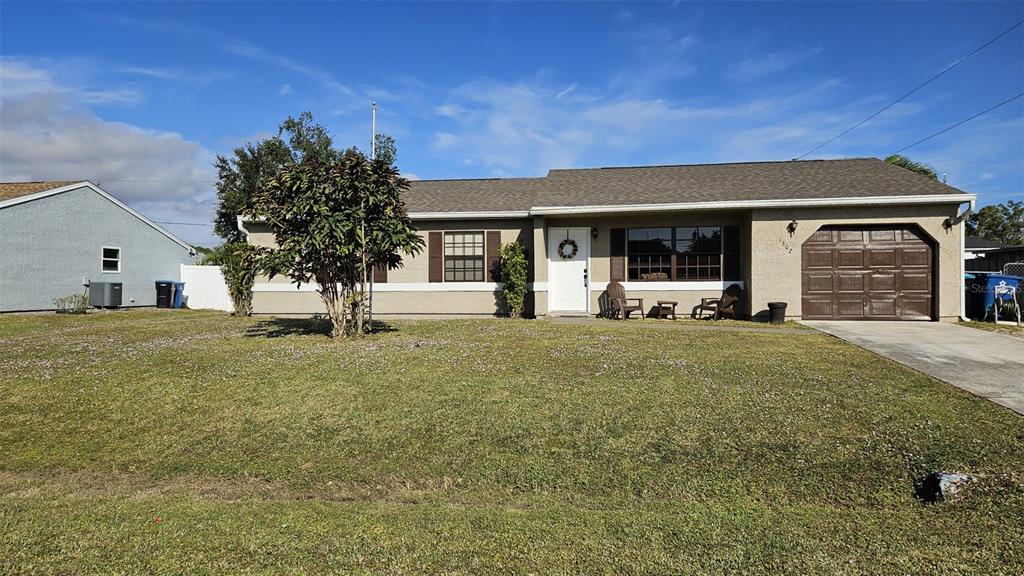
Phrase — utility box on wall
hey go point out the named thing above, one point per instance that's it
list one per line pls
(105, 294)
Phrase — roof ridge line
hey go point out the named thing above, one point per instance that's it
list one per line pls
(639, 166)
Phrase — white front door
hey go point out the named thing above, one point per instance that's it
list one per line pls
(568, 258)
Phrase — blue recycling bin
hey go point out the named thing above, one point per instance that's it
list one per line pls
(981, 294)
(179, 297)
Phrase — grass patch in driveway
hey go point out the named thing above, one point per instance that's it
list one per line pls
(180, 442)
(993, 327)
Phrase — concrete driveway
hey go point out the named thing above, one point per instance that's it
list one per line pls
(984, 363)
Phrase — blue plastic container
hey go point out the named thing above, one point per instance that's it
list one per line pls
(179, 297)
(981, 295)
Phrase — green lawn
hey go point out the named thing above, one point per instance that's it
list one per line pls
(167, 443)
(993, 327)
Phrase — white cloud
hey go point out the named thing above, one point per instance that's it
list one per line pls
(521, 128)
(444, 140)
(566, 91)
(766, 64)
(20, 78)
(49, 134)
(284, 90)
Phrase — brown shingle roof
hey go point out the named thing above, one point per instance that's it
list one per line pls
(479, 195)
(9, 190)
(854, 178)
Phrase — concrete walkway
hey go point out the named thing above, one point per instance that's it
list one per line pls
(984, 363)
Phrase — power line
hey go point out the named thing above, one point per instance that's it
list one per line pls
(960, 123)
(901, 98)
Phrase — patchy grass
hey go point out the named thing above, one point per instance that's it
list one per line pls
(178, 442)
(993, 327)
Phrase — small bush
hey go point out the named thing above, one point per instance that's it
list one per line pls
(239, 268)
(72, 304)
(513, 277)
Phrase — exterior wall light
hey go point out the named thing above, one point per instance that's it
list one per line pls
(593, 233)
(791, 227)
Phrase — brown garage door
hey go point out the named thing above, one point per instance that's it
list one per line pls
(867, 273)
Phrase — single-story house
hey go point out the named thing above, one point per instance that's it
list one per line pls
(835, 239)
(981, 255)
(56, 238)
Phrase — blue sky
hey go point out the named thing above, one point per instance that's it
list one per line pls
(141, 96)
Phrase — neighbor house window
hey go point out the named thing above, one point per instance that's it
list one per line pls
(464, 257)
(111, 259)
(683, 253)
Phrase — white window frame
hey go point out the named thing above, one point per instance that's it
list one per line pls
(104, 259)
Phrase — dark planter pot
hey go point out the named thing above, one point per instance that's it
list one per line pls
(777, 310)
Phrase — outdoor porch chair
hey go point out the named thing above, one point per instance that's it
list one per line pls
(720, 307)
(620, 304)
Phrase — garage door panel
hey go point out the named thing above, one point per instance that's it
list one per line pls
(817, 259)
(916, 257)
(821, 236)
(882, 283)
(915, 282)
(817, 307)
(881, 258)
(818, 283)
(850, 283)
(850, 258)
(885, 235)
(850, 307)
(882, 307)
(867, 272)
(916, 308)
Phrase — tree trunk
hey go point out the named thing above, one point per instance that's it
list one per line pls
(335, 305)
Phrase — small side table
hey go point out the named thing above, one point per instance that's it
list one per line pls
(666, 307)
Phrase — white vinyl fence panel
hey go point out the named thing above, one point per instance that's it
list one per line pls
(205, 288)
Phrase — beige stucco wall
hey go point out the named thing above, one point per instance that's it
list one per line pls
(384, 303)
(775, 260)
(440, 299)
(771, 259)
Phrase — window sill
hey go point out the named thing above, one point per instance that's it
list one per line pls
(669, 286)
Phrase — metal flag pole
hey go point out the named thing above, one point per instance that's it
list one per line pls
(373, 156)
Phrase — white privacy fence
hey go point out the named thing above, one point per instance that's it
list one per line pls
(205, 288)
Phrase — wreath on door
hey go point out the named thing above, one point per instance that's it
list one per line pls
(568, 248)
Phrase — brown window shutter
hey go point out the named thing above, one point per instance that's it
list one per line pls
(492, 248)
(618, 254)
(380, 274)
(435, 253)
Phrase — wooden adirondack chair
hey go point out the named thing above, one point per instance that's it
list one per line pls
(723, 306)
(620, 303)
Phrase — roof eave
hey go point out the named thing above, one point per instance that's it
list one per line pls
(958, 198)
(483, 215)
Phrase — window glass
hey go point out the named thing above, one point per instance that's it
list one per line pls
(111, 260)
(698, 253)
(649, 254)
(683, 253)
(464, 256)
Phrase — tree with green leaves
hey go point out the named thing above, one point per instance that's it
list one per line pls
(334, 220)
(254, 164)
(385, 149)
(912, 165)
(999, 222)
